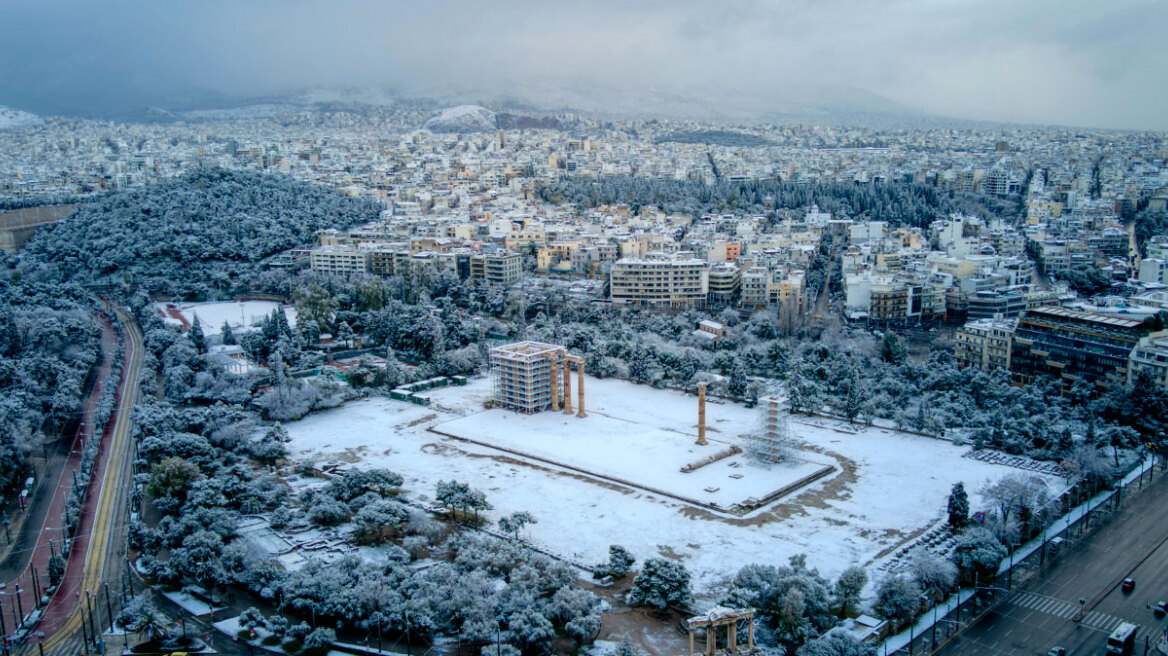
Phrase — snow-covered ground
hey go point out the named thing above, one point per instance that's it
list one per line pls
(890, 487)
(241, 315)
(620, 447)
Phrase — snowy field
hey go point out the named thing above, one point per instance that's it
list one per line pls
(888, 488)
(628, 449)
(241, 315)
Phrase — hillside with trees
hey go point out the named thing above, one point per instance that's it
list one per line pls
(195, 232)
(49, 342)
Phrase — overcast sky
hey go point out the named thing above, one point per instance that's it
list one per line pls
(1076, 62)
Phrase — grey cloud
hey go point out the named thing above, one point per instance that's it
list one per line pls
(1070, 61)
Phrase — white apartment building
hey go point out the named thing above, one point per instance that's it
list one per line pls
(338, 260)
(675, 280)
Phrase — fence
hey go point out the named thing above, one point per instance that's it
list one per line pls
(937, 625)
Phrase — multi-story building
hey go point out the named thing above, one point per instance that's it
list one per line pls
(1073, 345)
(338, 260)
(990, 304)
(724, 282)
(889, 303)
(985, 344)
(755, 283)
(503, 268)
(660, 280)
(1150, 355)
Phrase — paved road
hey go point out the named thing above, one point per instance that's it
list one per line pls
(1040, 614)
(102, 515)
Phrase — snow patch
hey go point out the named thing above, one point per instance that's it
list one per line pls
(463, 118)
(11, 119)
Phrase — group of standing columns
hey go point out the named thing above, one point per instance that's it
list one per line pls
(567, 361)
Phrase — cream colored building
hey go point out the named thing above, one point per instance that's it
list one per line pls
(985, 344)
(338, 260)
(660, 280)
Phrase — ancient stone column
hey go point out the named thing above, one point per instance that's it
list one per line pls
(580, 384)
(702, 414)
(567, 386)
(555, 360)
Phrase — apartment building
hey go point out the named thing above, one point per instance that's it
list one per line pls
(503, 268)
(338, 260)
(660, 280)
(1073, 345)
(985, 344)
(724, 283)
(1150, 355)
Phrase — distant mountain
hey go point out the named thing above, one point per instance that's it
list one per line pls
(542, 104)
(463, 118)
(814, 104)
(11, 119)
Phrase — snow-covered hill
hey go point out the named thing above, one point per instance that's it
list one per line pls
(463, 118)
(14, 118)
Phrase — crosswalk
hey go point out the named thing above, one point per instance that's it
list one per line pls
(1044, 604)
(1066, 610)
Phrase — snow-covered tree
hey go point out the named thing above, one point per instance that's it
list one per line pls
(897, 599)
(228, 334)
(515, 522)
(958, 507)
(936, 576)
(660, 583)
(195, 334)
(620, 561)
(836, 644)
(848, 587)
(978, 554)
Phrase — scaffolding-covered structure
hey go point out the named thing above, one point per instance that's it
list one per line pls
(525, 376)
(771, 442)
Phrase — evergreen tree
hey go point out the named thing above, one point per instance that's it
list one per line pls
(892, 349)
(660, 583)
(195, 334)
(228, 334)
(958, 508)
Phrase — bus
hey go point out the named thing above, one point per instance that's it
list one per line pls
(1123, 639)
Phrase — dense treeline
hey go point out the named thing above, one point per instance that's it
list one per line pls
(207, 466)
(715, 138)
(1149, 223)
(899, 204)
(207, 226)
(49, 341)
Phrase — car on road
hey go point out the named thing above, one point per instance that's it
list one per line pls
(1160, 609)
(1057, 651)
(1128, 585)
